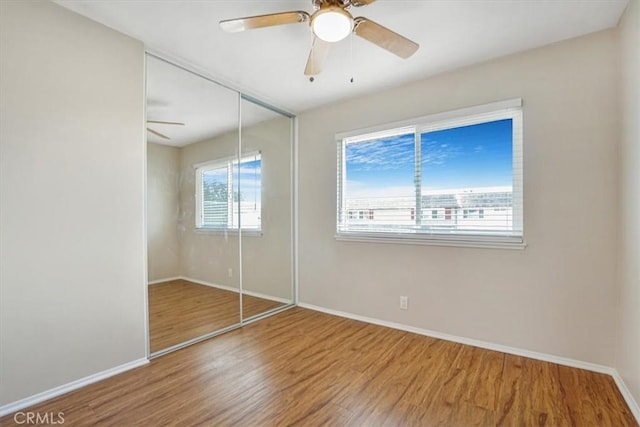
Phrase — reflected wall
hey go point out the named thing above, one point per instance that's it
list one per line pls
(267, 258)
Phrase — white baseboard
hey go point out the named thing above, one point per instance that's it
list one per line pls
(66, 388)
(236, 290)
(626, 393)
(211, 284)
(628, 397)
(468, 341)
(199, 282)
(168, 279)
(265, 296)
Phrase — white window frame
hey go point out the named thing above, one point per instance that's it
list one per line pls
(508, 109)
(228, 163)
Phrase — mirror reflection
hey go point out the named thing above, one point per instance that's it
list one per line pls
(266, 205)
(193, 252)
(219, 207)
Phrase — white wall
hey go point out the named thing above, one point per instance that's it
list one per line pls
(163, 206)
(628, 348)
(558, 295)
(71, 209)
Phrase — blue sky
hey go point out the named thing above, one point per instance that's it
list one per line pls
(464, 157)
(250, 180)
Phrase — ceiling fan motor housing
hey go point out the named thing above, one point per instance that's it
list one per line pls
(331, 23)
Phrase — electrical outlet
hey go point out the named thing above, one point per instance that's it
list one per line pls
(231, 272)
(404, 303)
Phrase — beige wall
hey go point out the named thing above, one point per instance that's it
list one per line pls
(628, 348)
(266, 259)
(163, 202)
(71, 112)
(71, 209)
(558, 295)
(205, 256)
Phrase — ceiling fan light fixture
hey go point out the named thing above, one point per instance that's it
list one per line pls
(332, 24)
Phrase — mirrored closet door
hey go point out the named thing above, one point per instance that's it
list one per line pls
(266, 206)
(192, 210)
(219, 208)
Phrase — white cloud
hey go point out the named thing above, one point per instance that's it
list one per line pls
(383, 154)
(435, 153)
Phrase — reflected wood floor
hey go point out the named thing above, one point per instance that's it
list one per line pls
(180, 310)
(306, 368)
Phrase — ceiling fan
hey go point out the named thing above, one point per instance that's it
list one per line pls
(156, 133)
(329, 23)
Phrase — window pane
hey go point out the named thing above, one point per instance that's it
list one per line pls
(459, 179)
(379, 187)
(215, 210)
(249, 194)
(468, 172)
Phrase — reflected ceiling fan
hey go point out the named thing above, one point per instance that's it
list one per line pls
(330, 23)
(156, 133)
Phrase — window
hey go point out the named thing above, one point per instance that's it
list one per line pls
(228, 194)
(466, 163)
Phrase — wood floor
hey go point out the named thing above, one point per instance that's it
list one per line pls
(180, 310)
(303, 368)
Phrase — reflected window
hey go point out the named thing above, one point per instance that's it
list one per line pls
(229, 194)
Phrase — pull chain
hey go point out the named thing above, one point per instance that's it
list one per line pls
(351, 54)
(313, 63)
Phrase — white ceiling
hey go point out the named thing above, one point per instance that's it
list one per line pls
(269, 62)
(206, 108)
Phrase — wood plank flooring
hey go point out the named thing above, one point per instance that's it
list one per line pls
(180, 310)
(303, 368)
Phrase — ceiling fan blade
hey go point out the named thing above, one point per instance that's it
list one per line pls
(260, 21)
(319, 51)
(165, 123)
(384, 37)
(358, 3)
(158, 134)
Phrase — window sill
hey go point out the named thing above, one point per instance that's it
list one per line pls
(224, 232)
(458, 241)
